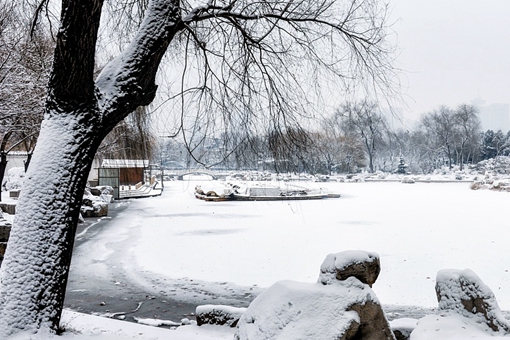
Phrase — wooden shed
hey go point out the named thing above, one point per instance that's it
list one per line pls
(122, 172)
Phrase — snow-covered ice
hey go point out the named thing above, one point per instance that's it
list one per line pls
(417, 230)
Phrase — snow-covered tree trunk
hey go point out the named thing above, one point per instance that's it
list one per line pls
(3, 166)
(42, 236)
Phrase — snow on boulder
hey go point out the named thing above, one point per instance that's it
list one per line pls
(341, 305)
(95, 205)
(218, 315)
(104, 191)
(463, 292)
(363, 265)
(408, 180)
(295, 310)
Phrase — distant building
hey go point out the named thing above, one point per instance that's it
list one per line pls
(15, 159)
(494, 116)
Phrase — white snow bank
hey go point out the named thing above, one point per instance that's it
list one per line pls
(405, 325)
(295, 310)
(85, 327)
(156, 322)
(452, 327)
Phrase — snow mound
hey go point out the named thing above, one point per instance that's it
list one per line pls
(451, 327)
(402, 328)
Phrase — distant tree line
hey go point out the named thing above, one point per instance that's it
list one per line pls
(357, 137)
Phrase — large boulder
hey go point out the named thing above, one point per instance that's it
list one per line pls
(295, 310)
(463, 292)
(363, 265)
(336, 307)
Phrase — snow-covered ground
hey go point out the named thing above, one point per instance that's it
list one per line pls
(233, 247)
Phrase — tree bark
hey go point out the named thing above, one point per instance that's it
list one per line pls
(27, 161)
(3, 166)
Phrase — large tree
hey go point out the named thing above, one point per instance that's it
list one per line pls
(441, 128)
(468, 133)
(254, 63)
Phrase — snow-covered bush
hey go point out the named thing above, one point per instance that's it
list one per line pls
(14, 179)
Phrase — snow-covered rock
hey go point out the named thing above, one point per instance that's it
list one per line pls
(463, 292)
(491, 184)
(295, 310)
(338, 306)
(408, 180)
(105, 192)
(218, 315)
(96, 205)
(363, 265)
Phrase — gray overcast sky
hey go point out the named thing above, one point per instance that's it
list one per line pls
(452, 51)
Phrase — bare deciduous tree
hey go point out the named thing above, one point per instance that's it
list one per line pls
(24, 71)
(468, 133)
(440, 127)
(366, 119)
(255, 62)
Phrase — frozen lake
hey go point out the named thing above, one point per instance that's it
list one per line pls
(178, 243)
